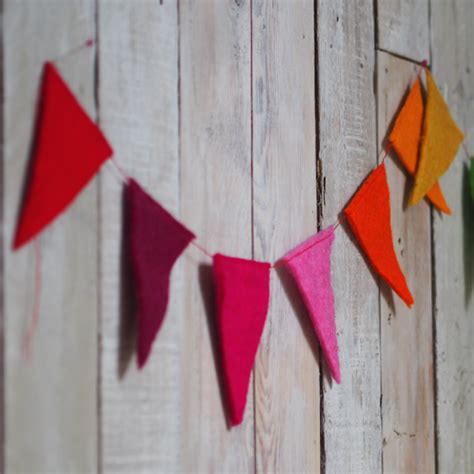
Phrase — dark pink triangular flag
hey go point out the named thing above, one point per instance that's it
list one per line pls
(156, 240)
(310, 266)
(242, 294)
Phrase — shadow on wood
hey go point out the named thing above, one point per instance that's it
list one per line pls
(127, 326)
(206, 285)
(468, 236)
(292, 293)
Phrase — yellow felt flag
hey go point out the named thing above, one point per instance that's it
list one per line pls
(440, 142)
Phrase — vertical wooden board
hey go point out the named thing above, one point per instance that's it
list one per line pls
(138, 84)
(50, 402)
(284, 189)
(452, 37)
(351, 422)
(403, 27)
(406, 342)
(216, 203)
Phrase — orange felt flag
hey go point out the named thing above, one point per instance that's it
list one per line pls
(405, 138)
(440, 142)
(369, 217)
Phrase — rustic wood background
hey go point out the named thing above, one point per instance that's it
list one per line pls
(254, 121)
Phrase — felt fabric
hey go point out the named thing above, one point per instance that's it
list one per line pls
(405, 139)
(242, 294)
(368, 214)
(68, 151)
(310, 266)
(155, 241)
(440, 142)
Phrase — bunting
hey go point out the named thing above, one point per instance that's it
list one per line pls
(440, 143)
(156, 240)
(310, 266)
(242, 294)
(405, 139)
(69, 150)
(369, 217)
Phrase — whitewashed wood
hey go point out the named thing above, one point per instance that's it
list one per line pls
(403, 27)
(50, 403)
(406, 342)
(452, 37)
(284, 189)
(351, 421)
(216, 203)
(138, 82)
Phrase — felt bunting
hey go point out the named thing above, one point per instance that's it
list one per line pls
(405, 138)
(440, 142)
(68, 151)
(368, 214)
(310, 266)
(156, 240)
(242, 294)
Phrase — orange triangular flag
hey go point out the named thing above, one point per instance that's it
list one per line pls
(405, 139)
(440, 143)
(369, 217)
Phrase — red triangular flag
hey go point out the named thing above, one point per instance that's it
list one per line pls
(369, 217)
(69, 150)
(242, 293)
(310, 266)
(156, 240)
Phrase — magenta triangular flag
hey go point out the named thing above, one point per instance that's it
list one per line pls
(69, 149)
(310, 266)
(242, 294)
(156, 240)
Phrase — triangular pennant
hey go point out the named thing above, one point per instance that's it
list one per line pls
(440, 142)
(242, 294)
(369, 217)
(156, 240)
(405, 138)
(310, 266)
(69, 150)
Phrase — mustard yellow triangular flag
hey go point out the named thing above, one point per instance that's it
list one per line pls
(440, 142)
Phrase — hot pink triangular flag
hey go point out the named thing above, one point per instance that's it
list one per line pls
(156, 240)
(310, 266)
(242, 294)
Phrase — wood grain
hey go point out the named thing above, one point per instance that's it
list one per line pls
(452, 36)
(138, 83)
(284, 190)
(50, 402)
(406, 342)
(351, 421)
(403, 27)
(216, 203)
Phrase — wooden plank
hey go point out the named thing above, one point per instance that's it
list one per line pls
(50, 402)
(284, 189)
(403, 28)
(351, 421)
(453, 65)
(406, 342)
(216, 203)
(138, 83)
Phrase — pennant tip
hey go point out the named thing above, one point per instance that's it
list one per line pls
(235, 420)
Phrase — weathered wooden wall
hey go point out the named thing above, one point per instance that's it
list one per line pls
(253, 121)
